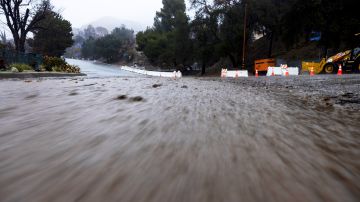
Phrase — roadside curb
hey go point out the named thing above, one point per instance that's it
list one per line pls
(11, 75)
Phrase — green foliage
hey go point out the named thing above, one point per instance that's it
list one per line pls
(113, 47)
(109, 48)
(168, 42)
(59, 65)
(21, 67)
(51, 62)
(88, 49)
(337, 20)
(53, 36)
(171, 16)
(205, 42)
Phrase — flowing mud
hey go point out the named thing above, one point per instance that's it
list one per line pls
(189, 140)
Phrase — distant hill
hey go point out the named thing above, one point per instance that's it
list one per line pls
(110, 23)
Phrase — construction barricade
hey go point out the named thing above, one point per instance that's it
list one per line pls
(234, 74)
(175, 74)
(283, 70)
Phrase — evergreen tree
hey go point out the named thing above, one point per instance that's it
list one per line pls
(111, 48)
(168, 43)
(53, 36)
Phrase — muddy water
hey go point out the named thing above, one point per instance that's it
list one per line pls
(100, 70)
(201, 140)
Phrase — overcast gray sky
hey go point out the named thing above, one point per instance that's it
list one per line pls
(82, 12)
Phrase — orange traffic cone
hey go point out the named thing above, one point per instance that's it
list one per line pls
(312, 71)
(340, 70)
(286, 72)
(256, 73)
(223, 73)
(273, 72)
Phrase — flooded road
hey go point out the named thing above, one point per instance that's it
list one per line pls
(100, 70)
(189, 140)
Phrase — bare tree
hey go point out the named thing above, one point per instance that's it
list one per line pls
(22, 17)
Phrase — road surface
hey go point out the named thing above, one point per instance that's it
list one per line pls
(194, 139)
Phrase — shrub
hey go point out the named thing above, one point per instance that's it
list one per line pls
(57, 69)
(51, 62)
(59, 65)
(21, 67)
(67, 68)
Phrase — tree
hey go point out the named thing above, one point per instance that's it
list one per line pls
(204, 35)
(226, 28)
(53, 36)
(110, 48)
(3, 37)
(168, 42)
(88, 48)
(337, 21)
(114, 46)
(155, 46)
(90, 32)
(23, 17)
(266, 17)
(101, 31)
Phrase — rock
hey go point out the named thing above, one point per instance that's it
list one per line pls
(14, 69)
(73, 93)
(157, 85)
(136, 99)
(121, 97)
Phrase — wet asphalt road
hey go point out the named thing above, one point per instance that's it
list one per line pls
(194, 139)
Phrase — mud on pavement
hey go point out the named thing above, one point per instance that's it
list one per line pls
(195, 139)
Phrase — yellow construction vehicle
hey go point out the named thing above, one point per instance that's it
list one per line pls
(349, 60)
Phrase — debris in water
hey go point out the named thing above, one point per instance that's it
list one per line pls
(157, 85)
(136, 99)
(121, 97)
(93, 84)
(31, 96)
(73, 93)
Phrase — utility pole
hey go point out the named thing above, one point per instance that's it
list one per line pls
(244, 42)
